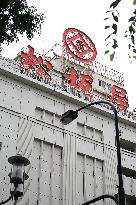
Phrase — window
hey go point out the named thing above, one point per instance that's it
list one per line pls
(129, 172)
(44, 115)
(38, 113)
(105, 85)
(98, 135)
(127, 145)
(80, 129)
(89, 132)
(130, 200)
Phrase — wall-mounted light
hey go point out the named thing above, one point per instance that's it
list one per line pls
(18, 175)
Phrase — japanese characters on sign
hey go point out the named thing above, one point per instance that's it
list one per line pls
(79, 83)
(119, 97)
(83, 84)
(35, 66)
(79, 45)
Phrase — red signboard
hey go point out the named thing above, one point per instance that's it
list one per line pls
(32, 63)
(82, 82)
(79, 45)
(119, 97)
(37, 67)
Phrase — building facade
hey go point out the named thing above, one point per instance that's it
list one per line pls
(69, 164)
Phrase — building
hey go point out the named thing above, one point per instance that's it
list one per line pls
(70, 164)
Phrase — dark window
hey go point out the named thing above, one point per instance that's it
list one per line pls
(127, 145)
(0, 145)
(129, 172)
(130, 200)
(100, 83)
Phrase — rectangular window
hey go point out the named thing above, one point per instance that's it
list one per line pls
(46, 173)
(105, 85)
(89, 178)
(89, 132)
(98, 135)
(38, 113)
(127, 145)
(130, 200)
(129, 172)
(80, 129)
(44, 115)
(100, 82)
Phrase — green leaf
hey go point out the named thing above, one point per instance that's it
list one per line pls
(115, 45)
(108, 11)
(115, 41)
(131, 29)
(106, 19)
(132, 39)
(115, 17)
(134, 57)
(129, 46)
(16, 17)
(134, 2)
(134, 50)
(106, 51)
(132, 18)
(134, 23)
(107, 27)
(108, 44)
(108, 36)
(114, 26)
(112, 56)
(114, 4)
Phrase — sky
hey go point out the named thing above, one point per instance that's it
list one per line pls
(87, 16)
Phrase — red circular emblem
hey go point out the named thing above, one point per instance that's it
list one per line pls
(79, 45)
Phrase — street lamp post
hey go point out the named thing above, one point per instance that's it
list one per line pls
(70, 115)
(17, 177)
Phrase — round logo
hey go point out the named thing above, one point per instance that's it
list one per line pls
(79, 45)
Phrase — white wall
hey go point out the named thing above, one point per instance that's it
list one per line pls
(69, 164)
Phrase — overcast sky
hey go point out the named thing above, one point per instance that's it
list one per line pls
(86, 16)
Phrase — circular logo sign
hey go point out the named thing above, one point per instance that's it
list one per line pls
(79, 45)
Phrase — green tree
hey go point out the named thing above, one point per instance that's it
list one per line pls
(17, 18)
(129, 34)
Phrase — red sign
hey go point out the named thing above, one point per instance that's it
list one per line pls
(32, 63)
(39, 68)
(82, 82)
(79, 45)
(119, 97)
